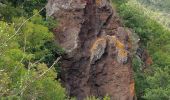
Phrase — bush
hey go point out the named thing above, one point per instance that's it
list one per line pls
(159, 85)
(155, 38)
(26, 71)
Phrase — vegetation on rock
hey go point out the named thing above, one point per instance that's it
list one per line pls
(29, 56)
(152, 83)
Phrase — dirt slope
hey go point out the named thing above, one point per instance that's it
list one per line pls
(98, 49)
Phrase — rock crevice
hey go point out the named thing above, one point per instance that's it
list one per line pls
(98, 49)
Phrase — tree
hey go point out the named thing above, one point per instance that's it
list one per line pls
(159, 85)
(152, 84)
(25, 73)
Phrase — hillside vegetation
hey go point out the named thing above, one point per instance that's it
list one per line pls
(155, 9)
(30, 58)
(147, 19)
(28, 55)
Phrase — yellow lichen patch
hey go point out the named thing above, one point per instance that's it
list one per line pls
(96, 43)
(122, 53)
(113, 38)
(97, 49)
(122, 56)
(118, 44)
(98, 2)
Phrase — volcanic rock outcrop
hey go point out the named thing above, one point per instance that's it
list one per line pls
(98, 49)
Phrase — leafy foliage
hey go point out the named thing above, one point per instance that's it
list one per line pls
(94, 98)
(159, 85)
(7, 12)
(155, 9)
(152, 84)
(12, 8)
(162, 5)
(27, 60)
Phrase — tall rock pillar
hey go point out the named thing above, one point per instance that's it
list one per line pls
(98, 49)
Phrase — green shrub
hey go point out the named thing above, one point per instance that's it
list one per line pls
(159, 85)
(25, 58)
(155, 38)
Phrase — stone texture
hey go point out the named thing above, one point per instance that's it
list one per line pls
(91, 65)
(97, 50)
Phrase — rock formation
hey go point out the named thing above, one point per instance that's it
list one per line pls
(98, 49)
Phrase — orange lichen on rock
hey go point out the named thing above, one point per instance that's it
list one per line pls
(97, 49)
(98, 2)
(132, 89)
(118, 44)
(96, 43)
(122, 56)
(122, 52)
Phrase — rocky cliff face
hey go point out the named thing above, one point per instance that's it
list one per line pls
(98, 49)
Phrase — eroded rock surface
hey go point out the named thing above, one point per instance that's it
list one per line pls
(98, 49)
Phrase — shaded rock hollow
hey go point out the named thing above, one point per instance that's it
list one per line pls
(98, 49)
